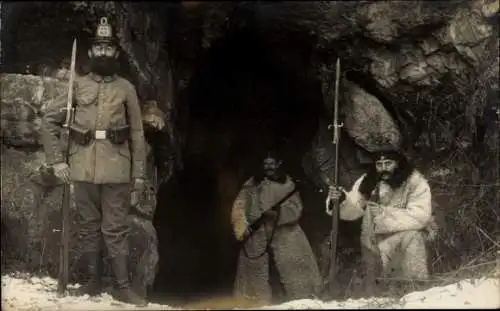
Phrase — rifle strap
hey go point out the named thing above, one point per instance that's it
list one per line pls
(256, 225)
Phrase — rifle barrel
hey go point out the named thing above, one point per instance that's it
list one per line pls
(332, 269)
(66, 199)
(336, 136)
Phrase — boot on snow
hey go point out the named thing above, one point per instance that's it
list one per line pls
(92, 285)
(124, 291)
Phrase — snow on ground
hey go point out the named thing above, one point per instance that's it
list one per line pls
(34, 293)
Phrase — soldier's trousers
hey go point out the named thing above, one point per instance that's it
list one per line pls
(103, 208)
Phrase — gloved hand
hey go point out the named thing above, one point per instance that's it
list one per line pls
(61, 171)
(137, 191)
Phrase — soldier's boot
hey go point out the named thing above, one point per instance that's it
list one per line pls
(92, 285)
(125, 292)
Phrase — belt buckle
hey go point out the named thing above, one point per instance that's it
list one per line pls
(100, 134)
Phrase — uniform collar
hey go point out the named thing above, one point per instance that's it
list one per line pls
(99, 78)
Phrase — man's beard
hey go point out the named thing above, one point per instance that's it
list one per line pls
(104, 65)
(270, 173)
(385, 175)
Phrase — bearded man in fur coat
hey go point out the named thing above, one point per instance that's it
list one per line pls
(278, 243)
(394, 200)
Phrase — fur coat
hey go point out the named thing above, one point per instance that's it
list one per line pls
(397, 233)
(289, 251)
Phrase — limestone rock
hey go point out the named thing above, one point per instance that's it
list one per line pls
(30, 89)
(368, 122)
(468, 30)
(23, 99)
(379, 27)
(20, 133)
(385, 21)
(429, 45)
(384, 68)
(25, 213)
(487, 8)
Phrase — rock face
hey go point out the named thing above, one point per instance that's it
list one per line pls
(368, 122)
(23, 99)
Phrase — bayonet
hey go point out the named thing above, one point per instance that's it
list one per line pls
(332, 268)
(66, 199)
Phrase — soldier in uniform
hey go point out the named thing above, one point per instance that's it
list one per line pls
(106, 160)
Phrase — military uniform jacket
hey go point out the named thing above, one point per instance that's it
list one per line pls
(100, 103)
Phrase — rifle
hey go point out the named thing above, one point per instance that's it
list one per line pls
(335, 208)
(64, 249)
(261, 220)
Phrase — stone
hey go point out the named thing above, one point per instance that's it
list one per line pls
(487, 8)
(20, 133)
(368, 122)
(17, 110)
(437, 62)
(384, 67)
(31, 89)
(429, 45)
(23, 101)
(386, 21)
(467, 28)
(380, 28)
(416, 73)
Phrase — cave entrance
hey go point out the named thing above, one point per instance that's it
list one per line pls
(242, 102)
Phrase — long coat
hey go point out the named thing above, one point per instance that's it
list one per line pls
(289, 250)
(100, 104)
(397, 234)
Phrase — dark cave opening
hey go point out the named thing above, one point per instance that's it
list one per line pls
(242, 103)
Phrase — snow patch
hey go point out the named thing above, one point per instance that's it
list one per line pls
(21, 292)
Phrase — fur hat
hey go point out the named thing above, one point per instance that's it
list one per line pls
(391, 154)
